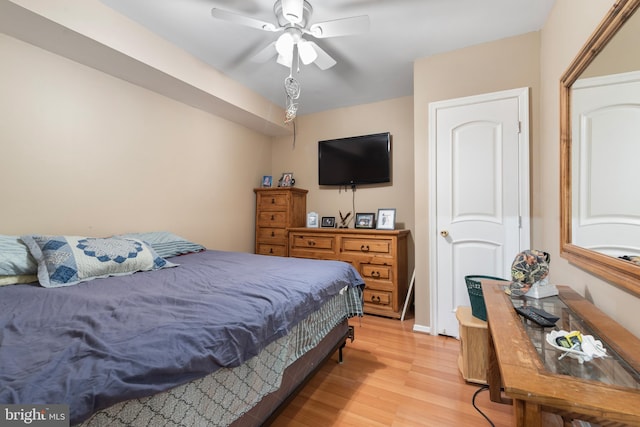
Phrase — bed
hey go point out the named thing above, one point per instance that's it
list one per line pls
(202, 338)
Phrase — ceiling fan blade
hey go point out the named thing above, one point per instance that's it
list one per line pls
(340, 27)
(266, 53)
(243, 20)
(323, 61)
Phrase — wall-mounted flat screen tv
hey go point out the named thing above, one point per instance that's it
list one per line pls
(355, 160)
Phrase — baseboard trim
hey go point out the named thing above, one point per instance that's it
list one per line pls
(422, 329)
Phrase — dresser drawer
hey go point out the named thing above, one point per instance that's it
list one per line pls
(312, 243)
(380, 285)
(376, 271)
(354, 245)
(272, 234)
(273, 202)
(377, 298)
(272, 219)
(266, 249)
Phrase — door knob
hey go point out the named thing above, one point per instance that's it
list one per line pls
(444, 233)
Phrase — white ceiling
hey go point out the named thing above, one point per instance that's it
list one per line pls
(371, 67)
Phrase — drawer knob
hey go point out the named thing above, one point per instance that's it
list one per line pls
(272, 217)
(270, 250)
(375, 299)
(273, 233)
(273, 201)
(364, 248)
(311, 243)
(375, 274)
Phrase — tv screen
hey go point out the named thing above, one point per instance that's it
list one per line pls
(355, 160)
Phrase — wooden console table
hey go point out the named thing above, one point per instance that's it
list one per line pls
(605, 391)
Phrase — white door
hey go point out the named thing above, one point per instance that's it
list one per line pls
(606, 122)
(479, 195)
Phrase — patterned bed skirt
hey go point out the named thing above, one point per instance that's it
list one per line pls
(223, 396)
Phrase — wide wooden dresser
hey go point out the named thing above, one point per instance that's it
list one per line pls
(277, 209)
(380, 256)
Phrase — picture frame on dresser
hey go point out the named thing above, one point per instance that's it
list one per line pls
(386, 219)
(365, 220)
(286, 180)
(328, 222)
(312, 220)
(267, 181)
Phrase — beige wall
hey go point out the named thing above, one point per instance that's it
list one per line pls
(394, 116)
(490, 67)
(569, 26)
(86, 153)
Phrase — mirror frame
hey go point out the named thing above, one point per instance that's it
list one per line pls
(623, 273)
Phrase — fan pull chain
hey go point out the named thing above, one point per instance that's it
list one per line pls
(292, 90)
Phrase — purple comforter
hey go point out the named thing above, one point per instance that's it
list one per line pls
(108, 340)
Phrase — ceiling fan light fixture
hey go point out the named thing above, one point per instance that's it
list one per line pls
(284, 44)
(285, 60)
(307, 53)
(292, 10)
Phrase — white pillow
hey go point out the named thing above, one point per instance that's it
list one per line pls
(15, 259)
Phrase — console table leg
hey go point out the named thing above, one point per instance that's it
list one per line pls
(494, 378)
(527, 414)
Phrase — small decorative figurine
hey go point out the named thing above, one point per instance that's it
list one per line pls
(343, 220)
(529, 271)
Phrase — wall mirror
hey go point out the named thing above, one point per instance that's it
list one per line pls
(600, 151)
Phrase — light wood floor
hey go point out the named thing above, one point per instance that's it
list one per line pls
(392, 376)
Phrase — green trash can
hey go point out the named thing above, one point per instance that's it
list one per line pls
(478, 308)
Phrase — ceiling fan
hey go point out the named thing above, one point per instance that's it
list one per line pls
(293, 18)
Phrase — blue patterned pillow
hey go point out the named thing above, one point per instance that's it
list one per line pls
(69, 260)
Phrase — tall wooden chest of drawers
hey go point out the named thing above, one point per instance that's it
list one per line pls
(277, 209)
(380, 256)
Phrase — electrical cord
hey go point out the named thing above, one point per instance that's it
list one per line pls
(353, 200)
(473, 402)
(294, 135)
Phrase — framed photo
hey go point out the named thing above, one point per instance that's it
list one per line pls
(286, 180)
(312, 220)
(365, 220)
(328, 221)
(267, 180)
(386, 219)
